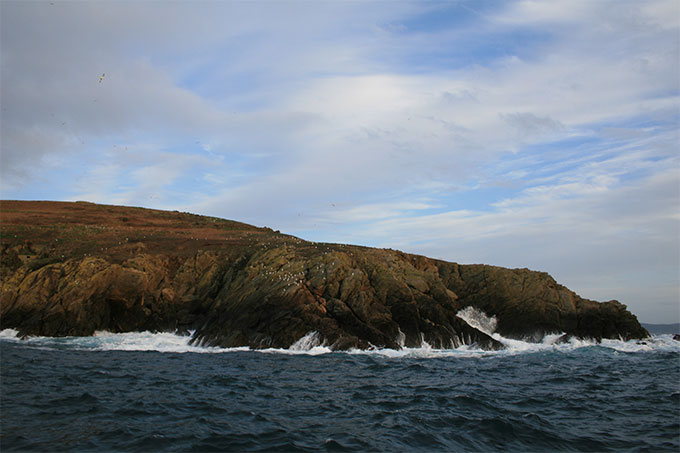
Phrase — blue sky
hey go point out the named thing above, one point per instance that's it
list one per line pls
(540, 134)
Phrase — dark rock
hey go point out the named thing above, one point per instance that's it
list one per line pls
(676, 337)
(529, 304)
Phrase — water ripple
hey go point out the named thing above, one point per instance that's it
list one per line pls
(583, 399)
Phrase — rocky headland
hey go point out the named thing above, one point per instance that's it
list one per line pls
(70, 269)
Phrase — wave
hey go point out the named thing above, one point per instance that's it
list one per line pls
(313, 344)
(107, 341)
(478, 319)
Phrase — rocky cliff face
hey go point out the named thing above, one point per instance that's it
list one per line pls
(75, 268)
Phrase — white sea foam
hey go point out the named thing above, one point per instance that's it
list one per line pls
(9, 334)
(313, 344)
(478, 319)
(424, 352)
(107, 341)
(148, 341)
(310, 344)
(401, 338)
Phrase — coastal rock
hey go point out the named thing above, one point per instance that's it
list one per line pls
(529, 304)
(130, 269)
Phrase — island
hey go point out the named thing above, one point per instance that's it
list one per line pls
(75, 268)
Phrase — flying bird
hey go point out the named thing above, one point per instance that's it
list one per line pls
(101, 77)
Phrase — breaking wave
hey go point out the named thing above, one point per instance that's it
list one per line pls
(478, 319)
(314, 344)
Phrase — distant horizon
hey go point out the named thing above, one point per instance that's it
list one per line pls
(524, 134)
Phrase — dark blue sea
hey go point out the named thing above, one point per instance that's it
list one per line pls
(154, 392)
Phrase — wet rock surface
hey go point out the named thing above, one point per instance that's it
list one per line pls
(76, 268)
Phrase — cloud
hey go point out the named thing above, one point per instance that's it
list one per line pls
(520, 133)
(530, 125)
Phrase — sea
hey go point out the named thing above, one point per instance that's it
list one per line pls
(156, 392)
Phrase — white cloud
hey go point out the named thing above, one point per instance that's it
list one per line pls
(355, 122)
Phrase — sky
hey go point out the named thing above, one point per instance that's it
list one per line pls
(538, 134)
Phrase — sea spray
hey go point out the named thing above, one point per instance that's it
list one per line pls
(478, 319)
(313, 344)
(401, 338)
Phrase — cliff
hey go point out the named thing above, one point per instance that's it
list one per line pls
(75, 268)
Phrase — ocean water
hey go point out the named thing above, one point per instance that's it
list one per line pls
(155, 392)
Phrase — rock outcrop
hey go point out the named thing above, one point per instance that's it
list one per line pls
(76, 268)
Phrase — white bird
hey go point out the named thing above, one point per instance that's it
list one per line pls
(101, 77)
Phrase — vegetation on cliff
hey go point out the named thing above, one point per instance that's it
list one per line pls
(76, 268)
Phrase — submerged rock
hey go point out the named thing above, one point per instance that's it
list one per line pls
(129, 269)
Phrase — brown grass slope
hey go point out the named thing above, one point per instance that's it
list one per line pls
(75, 268)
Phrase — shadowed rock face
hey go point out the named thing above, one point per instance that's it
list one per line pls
(530, 304)
(75, 268)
